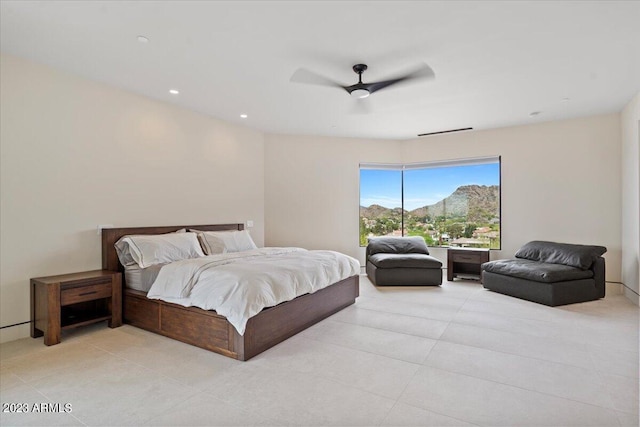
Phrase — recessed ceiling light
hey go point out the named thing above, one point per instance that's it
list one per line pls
(534, 113)
(143, 39)
(174, 91)
(244, 116)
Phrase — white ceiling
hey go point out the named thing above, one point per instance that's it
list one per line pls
(495, 62)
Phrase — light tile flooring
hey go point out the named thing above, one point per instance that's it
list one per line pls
(457, 355)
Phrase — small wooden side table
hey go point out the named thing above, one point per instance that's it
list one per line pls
(72, 300)
(465, 263)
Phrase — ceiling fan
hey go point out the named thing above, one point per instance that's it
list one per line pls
(362, 90)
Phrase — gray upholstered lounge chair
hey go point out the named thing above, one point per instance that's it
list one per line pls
(402, 261)
(549, 273)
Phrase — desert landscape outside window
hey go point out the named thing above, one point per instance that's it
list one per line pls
(454, 203)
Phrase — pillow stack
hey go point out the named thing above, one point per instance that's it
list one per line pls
(148, 250)
(221, 242)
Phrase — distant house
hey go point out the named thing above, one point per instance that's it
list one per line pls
(485, 233)
(464, 242)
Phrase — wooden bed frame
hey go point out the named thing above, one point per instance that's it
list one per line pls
(207, 329)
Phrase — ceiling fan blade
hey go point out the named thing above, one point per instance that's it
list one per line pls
(302, 75)
(421, 72)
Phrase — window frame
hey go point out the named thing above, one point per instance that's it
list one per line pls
(402, 167)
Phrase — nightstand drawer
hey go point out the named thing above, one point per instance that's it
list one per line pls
(85, 293)
(467, 257)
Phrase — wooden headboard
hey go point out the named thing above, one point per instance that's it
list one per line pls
(110, 236)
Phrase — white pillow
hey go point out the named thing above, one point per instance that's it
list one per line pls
(148, 250)
(220, 242)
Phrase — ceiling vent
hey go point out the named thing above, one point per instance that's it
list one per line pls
(444, 131)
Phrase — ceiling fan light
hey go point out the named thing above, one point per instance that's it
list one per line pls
(360, 93)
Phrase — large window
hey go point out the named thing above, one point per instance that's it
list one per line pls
(450, 203)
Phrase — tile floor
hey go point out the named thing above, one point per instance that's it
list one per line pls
(457, 355)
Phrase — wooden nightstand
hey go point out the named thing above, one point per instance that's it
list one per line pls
(465, 263)
(72, 300)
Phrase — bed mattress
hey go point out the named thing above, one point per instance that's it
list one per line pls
(141, 279)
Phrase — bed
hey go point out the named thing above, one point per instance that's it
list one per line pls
(207, 329)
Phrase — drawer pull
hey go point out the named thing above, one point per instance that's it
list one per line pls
(87, 293)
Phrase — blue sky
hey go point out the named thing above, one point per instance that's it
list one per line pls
(421, 186)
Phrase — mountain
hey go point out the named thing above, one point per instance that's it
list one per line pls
(478, 203)
(377, 211)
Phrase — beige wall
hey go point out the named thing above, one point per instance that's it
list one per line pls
(312, 189)
(560, 180)
(630, 121)
(76, 154)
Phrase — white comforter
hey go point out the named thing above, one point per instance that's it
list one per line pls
(239, 285)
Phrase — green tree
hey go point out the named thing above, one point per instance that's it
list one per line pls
(455, 230)
(363, 232)
(469, 229)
